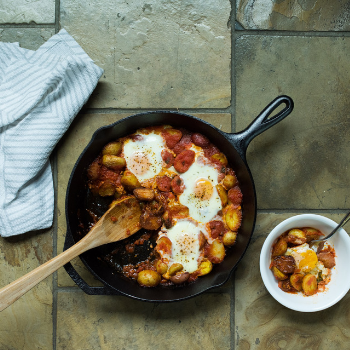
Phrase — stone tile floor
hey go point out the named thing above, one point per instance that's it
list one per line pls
(222, 61)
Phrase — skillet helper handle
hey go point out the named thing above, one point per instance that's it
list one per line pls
(262, 122)
(79, 281)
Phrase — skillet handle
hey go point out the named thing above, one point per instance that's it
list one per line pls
(74, 275)
(261, 123)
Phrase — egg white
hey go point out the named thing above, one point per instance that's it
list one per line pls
(201, 210)
(143, 157)
(185, 244)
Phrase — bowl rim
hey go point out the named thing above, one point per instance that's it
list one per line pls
(266, 252)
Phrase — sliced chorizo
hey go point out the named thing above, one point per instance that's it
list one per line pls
(167, 157)
(327, 258)
(177, 185)
(285, 263)
(200, 140)
(164, 183)
(184, 160)
(235, 196)
(182, 144)
(216, 228)
(172, 137)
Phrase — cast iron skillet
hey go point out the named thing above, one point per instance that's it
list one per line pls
(234, 146)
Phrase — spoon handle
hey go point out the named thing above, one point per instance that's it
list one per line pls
(341, 224)
(10, 293)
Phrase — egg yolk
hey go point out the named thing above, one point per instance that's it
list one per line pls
(308, 261)
(203, 189)
(139, 163)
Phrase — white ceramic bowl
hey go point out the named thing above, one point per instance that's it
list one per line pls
(340, 280)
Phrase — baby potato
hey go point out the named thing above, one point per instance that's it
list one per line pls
(222, 194)
(94, 170)
(144, 194)
(161, 267)
(233, 217)
(216, 252)
(278, 274)
(312, 233)
(113, 148)
(174, 268)
(229, 181)
(113, 162)
(148, 278)
(296, 281)
(149, 221)
(129, 180)
(180, 277)
(106, 189)
(229, 238)
(205, 267)
(296, 236)
(167, 219)
(220, 158)
(309, 284)
(280, 247)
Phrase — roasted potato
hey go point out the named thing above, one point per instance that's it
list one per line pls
(129, 180)
(220, 158)
(106, 189)
(229, 238)
(280, 247)
(94, 170)
(296, 281)
(161, 267)
(312, 233)
(296, 236)
(113, 162)
(174, 268)
(112, 148)
(222, 194)
(229, 181)
(216, 252)
(144, 194)
(233, 217)
(309, 284)
(148, 278)
(205, 267)
(149, 221)
(278, 274)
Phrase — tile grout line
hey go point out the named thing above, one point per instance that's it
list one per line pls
(233, 129)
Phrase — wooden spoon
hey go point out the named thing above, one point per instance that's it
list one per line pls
(119, 222)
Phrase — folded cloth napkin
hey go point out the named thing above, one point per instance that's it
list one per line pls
(40, 94)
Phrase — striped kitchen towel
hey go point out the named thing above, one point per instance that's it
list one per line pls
(40, 94)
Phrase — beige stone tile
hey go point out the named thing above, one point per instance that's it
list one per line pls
(105, 322)
(304, 15)
(23, 11)
(303, 161)
(28, 38)
(167, 54)
(69, 149)
(27, 323)
(263, 323)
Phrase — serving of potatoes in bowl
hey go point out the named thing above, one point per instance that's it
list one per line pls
(278, 249)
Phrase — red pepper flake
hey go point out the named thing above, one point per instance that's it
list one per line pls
(114, 219)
